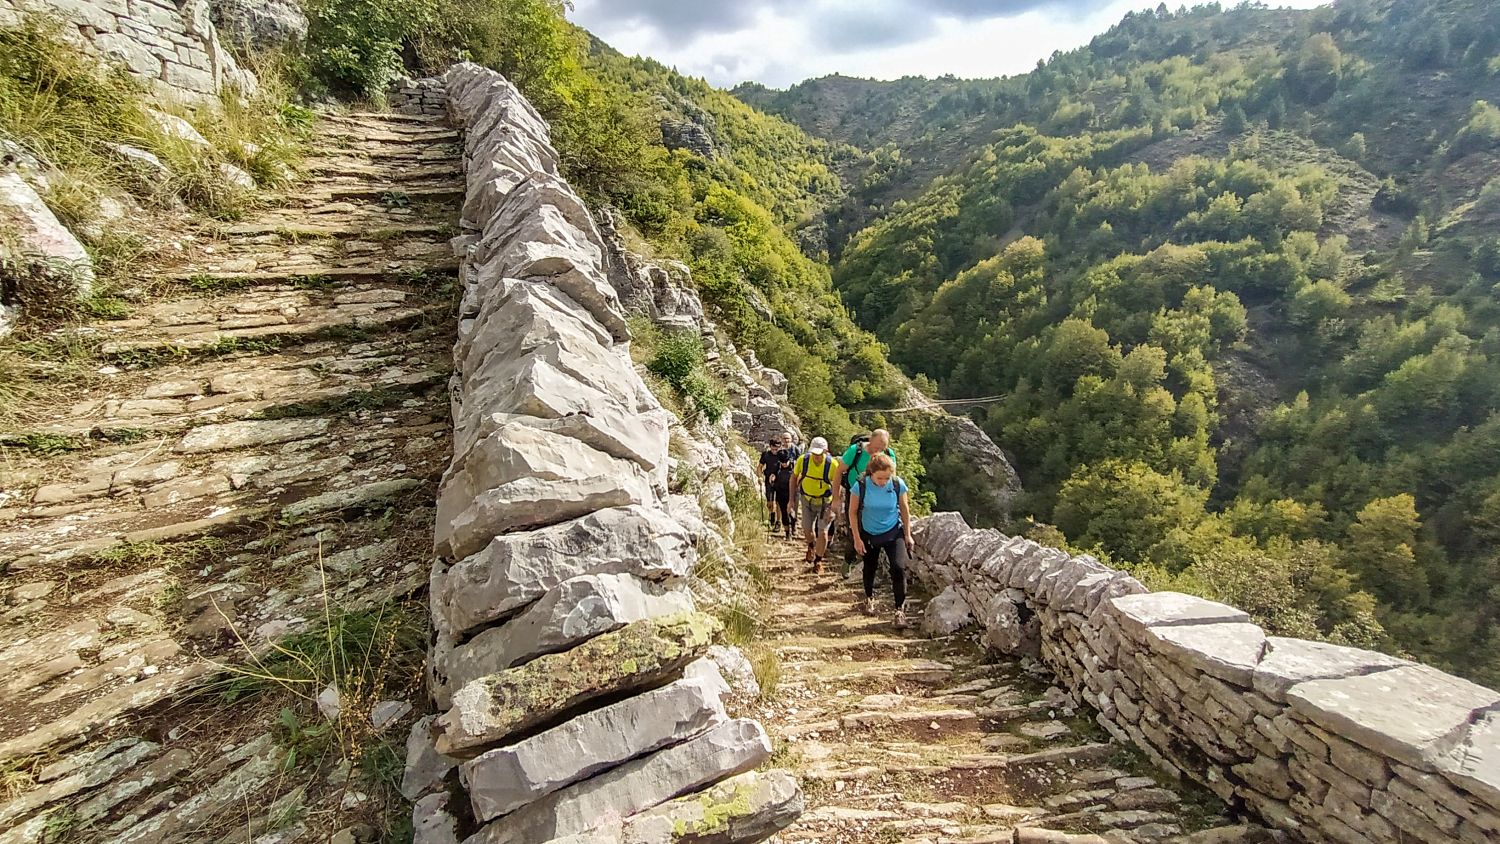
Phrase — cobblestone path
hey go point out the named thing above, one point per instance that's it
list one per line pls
(903, 738)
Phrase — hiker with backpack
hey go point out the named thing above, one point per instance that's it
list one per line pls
(769, 462)
(880, 522)
(855, 462)
(815, 481)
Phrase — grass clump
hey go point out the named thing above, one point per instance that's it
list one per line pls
(677, 358)
(366, 655)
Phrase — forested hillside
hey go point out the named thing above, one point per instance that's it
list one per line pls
(1235, 274)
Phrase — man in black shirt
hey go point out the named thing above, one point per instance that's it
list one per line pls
(769, 461)
(786, 459)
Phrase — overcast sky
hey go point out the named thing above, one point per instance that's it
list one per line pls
(780, 42)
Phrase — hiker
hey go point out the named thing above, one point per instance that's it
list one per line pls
(855, 462)
(815, 480)
(769, 460)
(786, 459)
(880, 518)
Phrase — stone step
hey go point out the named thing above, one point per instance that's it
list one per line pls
(382, 117)
(386, 372)
(209, 477)
(413, 273)
(259, 319)
(388, 134)
(379, 173)
(380, 226)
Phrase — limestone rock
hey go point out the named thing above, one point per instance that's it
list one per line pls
(491, 708)
(42, 265)
(426, 768)
(1413, 714)
(736, 669)
(685, 134)
(1288, 662)
(946, 614)
(1227, 651)
(1007, 632)
(1137, 612)
(520, 477)
(517, 568)
(230, 435)
(749, 807)
(576, 610)
(431, 821)
(730, 748)
(260, 24)
(507, 778)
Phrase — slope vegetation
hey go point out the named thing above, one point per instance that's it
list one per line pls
(1233, 271)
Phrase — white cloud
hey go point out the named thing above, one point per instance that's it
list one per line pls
(781, 42)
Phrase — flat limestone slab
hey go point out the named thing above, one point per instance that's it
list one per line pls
(1414, 714)
(728, 749)
(1475, 764)
(750, 807)
(507, 778)
(1291, 661)
(1171, 609)
(1227, 651)
(491, 708)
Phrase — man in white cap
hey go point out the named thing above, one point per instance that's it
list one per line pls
(815, 479)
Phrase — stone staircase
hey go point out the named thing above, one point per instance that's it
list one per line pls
(257, 446)
(902, 738)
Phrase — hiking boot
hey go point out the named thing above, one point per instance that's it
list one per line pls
(817, 565)
(900, 621)
(869, 606)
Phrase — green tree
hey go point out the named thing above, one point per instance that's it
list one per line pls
(1318, 68)
(1380, 550)
(1129, 511)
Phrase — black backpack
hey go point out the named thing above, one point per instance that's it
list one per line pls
(860, 440)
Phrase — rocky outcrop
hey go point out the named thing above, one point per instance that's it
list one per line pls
(172, 45)
(42, 265)
(565, 626)
(260, 24)
(685, 134)
(1325, 743)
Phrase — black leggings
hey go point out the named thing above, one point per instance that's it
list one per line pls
(784, 506)
(893, 543)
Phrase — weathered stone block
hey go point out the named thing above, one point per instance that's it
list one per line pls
(507, 778)
(517, 568)
(1229, 652)
(742, 809)
(1135, 613)
(730, 748)
(1291, 661)
(544, 690)
(577, 610)
(1413, 714)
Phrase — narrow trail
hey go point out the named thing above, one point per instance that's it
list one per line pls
(902, 738)
(258, 441)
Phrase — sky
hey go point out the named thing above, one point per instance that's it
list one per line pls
(781, 42)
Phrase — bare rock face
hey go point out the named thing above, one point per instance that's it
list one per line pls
(685, 134)
(42, 265)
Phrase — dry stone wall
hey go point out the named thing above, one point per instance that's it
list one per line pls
(1329, 744)
(570, 668)
(170, 45)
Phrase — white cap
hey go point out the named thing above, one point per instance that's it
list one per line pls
(819, 446)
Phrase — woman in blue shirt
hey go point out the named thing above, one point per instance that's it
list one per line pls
(880, 518)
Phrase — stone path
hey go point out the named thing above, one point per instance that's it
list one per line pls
(261, 442)
(901, 738)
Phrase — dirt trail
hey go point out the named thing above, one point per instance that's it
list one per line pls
(259, 444)
(903, 738)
